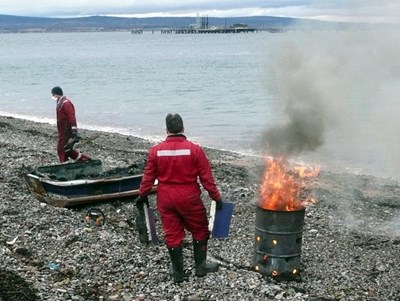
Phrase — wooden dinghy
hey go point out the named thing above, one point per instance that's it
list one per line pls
(79, 183)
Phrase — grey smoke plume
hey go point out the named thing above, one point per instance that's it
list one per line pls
(338, 88)
(305, 73)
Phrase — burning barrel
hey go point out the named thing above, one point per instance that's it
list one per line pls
(280, 219)
(278, 236)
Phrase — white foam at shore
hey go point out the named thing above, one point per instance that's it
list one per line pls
(29, 117)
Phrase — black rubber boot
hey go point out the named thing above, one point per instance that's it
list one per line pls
(200, 259)
(177, 263)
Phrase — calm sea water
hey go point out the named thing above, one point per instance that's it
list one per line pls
(221, 84)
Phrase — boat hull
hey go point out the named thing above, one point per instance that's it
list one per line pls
(81, 190)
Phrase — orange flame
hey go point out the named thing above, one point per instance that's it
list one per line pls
(282, 186)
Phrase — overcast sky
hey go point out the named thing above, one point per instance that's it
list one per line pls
(334, 10)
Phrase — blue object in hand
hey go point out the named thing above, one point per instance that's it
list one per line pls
(222, 220)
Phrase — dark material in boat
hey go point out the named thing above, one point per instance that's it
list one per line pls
(73, 184)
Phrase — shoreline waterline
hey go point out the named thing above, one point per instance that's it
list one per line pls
(251, 155)
(112, 130)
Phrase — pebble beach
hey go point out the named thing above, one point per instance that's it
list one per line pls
(350, 246)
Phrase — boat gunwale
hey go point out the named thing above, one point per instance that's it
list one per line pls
(82, 181)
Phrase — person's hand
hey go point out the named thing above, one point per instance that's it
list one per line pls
(218, 205)
(74, 133)
(141, 200)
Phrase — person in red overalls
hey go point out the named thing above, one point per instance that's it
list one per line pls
(178, 164)
(66, 127)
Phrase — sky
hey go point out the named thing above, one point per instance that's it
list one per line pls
(371, 11)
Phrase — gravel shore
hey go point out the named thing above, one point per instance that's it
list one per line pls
(350, 247)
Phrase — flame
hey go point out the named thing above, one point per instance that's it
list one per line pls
(282, 185)
(305, 171)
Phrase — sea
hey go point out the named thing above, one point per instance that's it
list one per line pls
(230, 89)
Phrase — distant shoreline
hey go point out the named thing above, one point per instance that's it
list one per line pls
(149, 30)
(22, 24)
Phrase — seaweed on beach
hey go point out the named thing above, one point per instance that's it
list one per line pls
(15, 288)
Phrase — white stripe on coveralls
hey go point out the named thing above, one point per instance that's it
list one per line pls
(173, 153)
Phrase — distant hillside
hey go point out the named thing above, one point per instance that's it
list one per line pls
(100, 23)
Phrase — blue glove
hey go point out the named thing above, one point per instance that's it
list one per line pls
(74, 133)
(218, 205)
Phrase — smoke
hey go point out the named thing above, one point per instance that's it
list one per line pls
(300, 85)
(306, 76)
(392, 226)
(340, 93)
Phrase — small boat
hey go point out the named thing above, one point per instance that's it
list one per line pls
(84, 182)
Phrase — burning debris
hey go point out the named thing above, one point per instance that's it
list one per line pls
(280, 219)
(282, 185)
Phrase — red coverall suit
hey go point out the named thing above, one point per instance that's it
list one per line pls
(177, 163)
(65, 122)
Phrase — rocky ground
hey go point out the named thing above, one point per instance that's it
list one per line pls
(350, 247)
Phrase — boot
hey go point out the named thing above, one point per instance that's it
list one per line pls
(200, 259)
(177, 263)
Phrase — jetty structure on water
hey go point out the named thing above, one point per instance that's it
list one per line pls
(202, 27)
(233, 29)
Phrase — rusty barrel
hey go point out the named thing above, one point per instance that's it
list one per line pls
(278, 236)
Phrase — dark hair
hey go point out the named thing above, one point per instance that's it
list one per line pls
(57, 91)
(174, 123)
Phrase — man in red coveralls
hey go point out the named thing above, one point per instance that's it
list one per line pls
(177, 164)
(66, 127)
